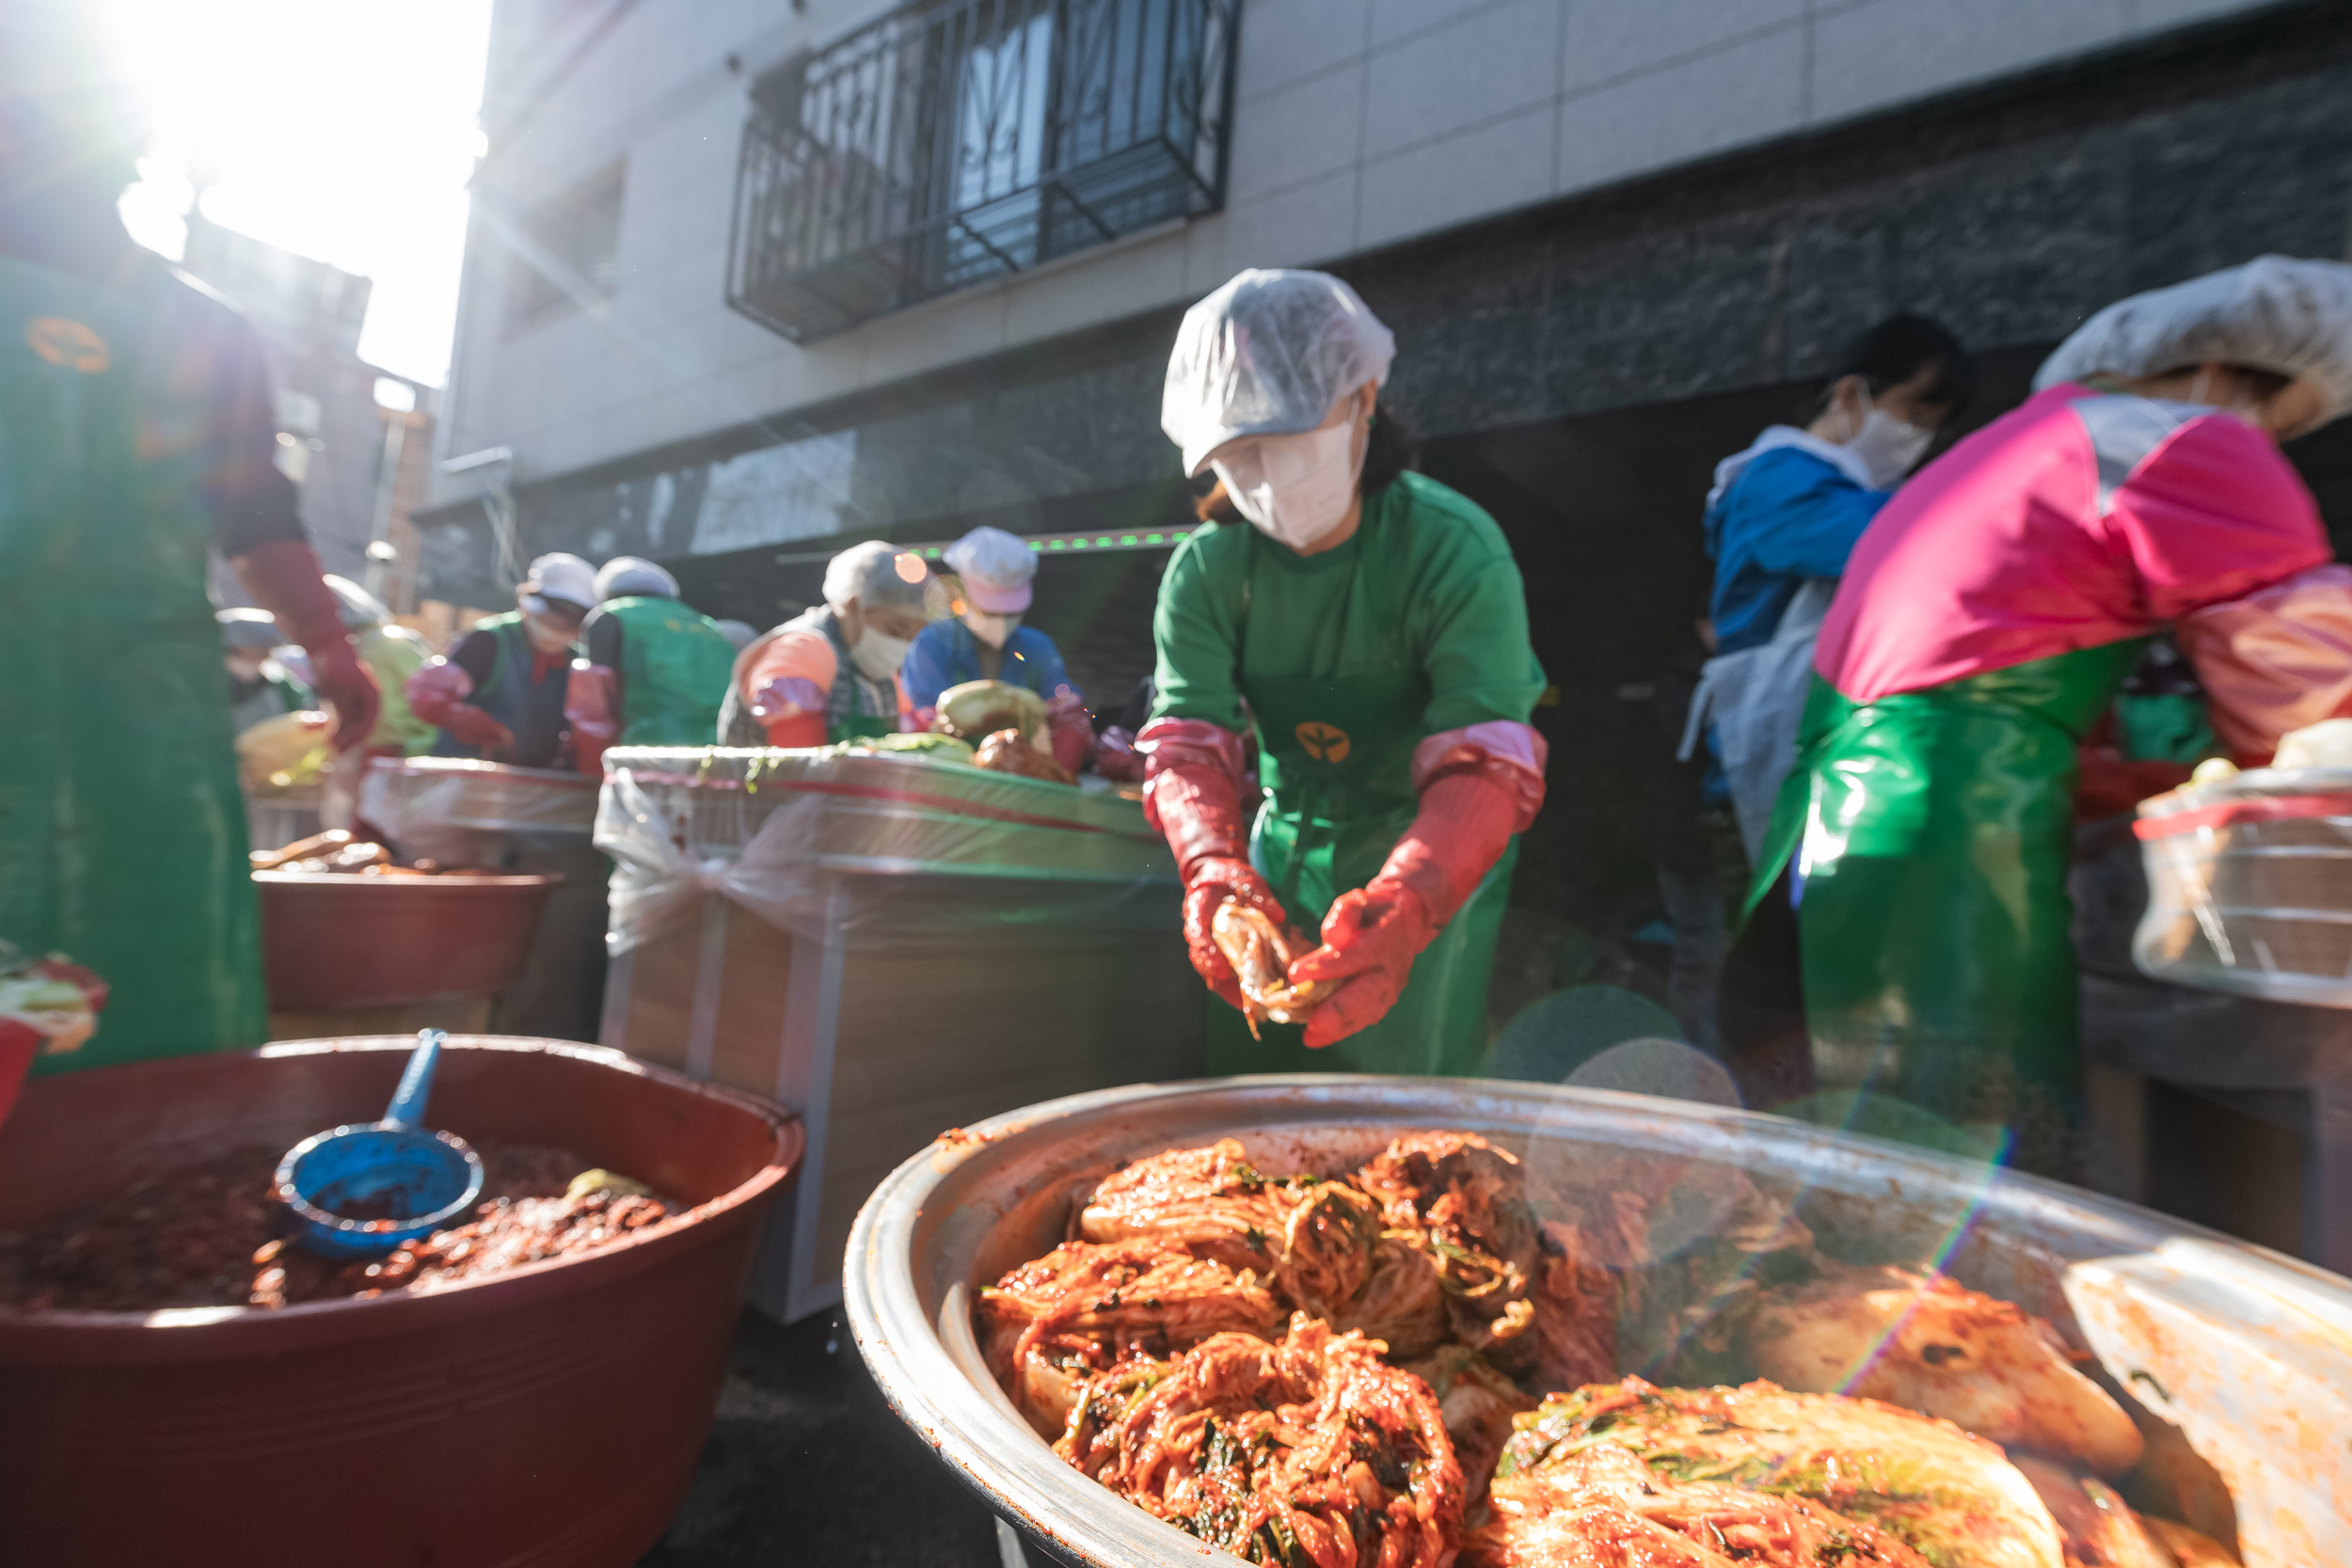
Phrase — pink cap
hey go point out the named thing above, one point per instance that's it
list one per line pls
(997, 569)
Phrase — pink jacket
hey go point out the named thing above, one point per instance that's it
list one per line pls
(2077, 519)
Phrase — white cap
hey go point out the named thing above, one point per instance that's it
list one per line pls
(565, 578)
(2274, 313)
(997, 569)
(625, 575)
(1268, 355)
(738, 632)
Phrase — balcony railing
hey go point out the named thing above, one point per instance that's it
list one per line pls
(946, 144)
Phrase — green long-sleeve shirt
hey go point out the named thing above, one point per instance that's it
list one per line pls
(1457, 606)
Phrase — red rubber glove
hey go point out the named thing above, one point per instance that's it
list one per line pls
(1070, 729)
(1370, 938)
(592, 701)
(283, 578)
(1372, 933)
(1191, 794)
(472, 727)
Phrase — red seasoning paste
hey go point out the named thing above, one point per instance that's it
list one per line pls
(213, 1235)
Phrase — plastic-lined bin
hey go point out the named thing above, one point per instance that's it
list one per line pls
(458, 810)
(2250, 886)
(890, 946)
(463, 812)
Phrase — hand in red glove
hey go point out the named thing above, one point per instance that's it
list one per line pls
(1372, 933)
(472, 727)
(592, 701)
(283, 576)
(1070, 729)
(1370, 938)
(1215, 880)
(1192, 795)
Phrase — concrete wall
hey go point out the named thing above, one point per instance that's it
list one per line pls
(1359, 124)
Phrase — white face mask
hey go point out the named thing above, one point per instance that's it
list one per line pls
(994, 630)
(1886, 446)
(878, 656)
(1294, 488)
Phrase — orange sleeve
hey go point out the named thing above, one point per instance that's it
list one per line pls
(799, 666)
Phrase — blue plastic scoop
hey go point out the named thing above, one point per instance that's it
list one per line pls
(360, 1191)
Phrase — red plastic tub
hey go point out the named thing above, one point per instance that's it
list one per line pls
(549, 1417)
(332, 942)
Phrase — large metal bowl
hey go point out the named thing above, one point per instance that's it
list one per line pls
(2249, 1352)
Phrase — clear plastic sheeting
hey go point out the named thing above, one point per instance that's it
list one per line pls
(2250, 886)
(456, 809)
(889, 945)
(774, 832)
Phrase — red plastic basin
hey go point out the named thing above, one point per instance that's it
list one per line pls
(551, 1415)
(331, 940)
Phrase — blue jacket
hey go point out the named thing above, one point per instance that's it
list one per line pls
(946, 654)
(1786, 517)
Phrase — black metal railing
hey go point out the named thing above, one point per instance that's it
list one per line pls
(945, 144)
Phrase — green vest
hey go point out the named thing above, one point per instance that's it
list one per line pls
(674, 666)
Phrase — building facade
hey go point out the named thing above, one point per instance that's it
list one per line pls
(751, 279)
(356, 441)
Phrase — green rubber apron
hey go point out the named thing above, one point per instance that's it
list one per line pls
(1335, 756)
(1933, 831)
(123, 833)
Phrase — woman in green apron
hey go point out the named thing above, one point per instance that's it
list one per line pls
(1371, 625)
(135, 434)
(1986, 621)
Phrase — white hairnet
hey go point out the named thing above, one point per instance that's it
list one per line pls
(1268, 355)
(738, 632)
(359, 607)
(2274, 313)
(876, 574)
(625, 575)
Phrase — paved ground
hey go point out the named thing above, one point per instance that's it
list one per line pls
(806, 1465)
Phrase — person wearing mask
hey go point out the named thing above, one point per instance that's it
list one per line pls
(499, 693)
(1372, 624)
(986, 641)
(1987, 618)
(140, 434)
(831, 675)
(259, 688)
(652, 673)
(1781, 519)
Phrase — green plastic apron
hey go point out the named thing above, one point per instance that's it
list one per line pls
(123, 833)
(1935, 829)
(1335, 756)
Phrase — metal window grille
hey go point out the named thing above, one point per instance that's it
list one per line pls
(946, 144)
